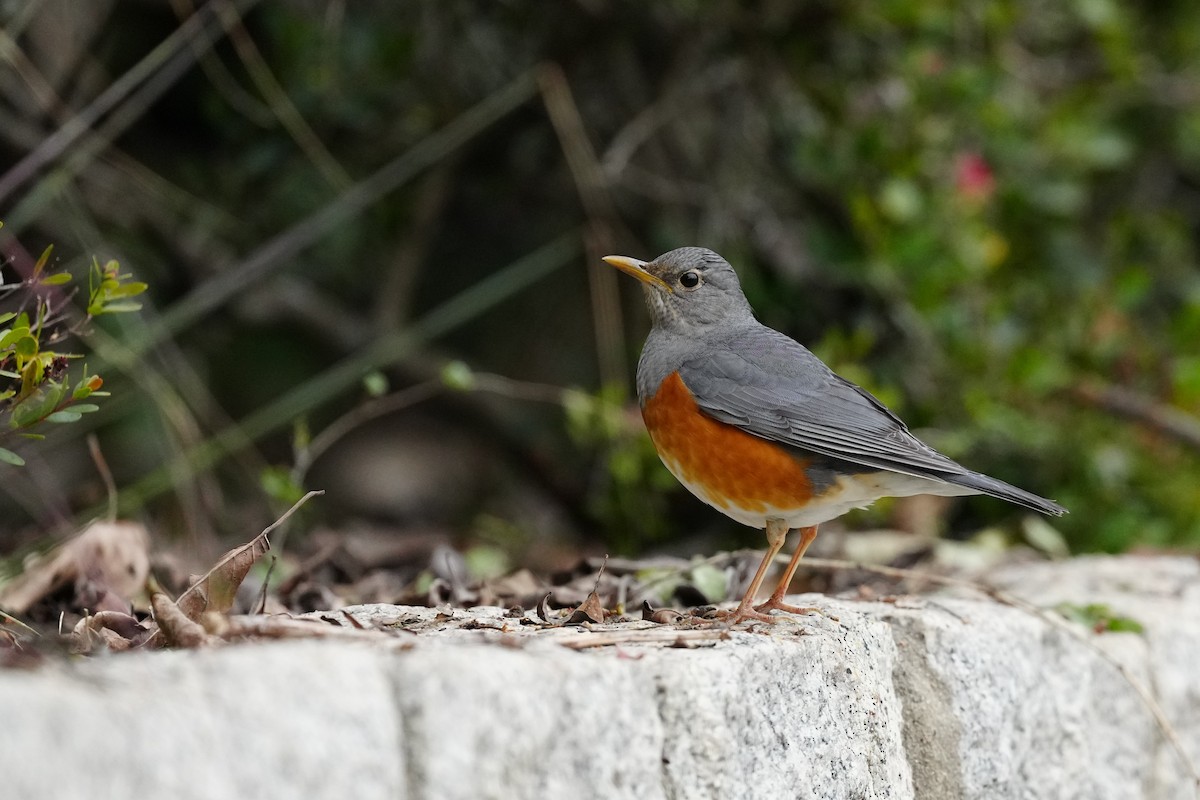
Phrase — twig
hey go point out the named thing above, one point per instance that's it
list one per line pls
(373, 409)
(661, 112)
(261, 605)
(592, 187)
(281, 250)
(410, 396)
(168, 60)
(669, 636)
(110, 486)
(281, 627)
(239, 99)
(385, 351)
(394, 298)
(277, 99)
(10, 619)
(152, 188)
(1123, 402)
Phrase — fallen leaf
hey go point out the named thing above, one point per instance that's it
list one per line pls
(107, 562)
(125, 625)
(91, 635)
(217, 590)
(283, 627)
(177, 628)
(663, 616)
(590, 610)
(543, 610)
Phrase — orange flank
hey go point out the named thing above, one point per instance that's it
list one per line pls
(734, 468)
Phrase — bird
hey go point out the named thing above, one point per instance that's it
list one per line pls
(756, 426)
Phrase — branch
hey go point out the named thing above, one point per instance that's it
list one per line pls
(1122, 402)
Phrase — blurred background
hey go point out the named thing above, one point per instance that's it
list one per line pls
(371, 233)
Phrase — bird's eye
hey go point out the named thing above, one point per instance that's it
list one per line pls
(689, 280)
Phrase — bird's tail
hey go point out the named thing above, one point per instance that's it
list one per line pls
(1006, 491)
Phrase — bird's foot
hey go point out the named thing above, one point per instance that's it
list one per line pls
(743, 613)
(787, 608)
(746, 612)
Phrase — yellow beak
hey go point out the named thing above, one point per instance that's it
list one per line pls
(636, 268)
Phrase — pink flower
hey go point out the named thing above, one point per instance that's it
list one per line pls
(973, 178)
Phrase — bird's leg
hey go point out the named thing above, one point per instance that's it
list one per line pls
(777, 531)
(775, 601)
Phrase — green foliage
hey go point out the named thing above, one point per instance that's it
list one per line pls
(278, 484)
(36, 386)
(629, 482)
(109, 291)
(1014, 216)
(1100, 618)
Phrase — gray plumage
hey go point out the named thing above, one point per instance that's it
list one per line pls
(745, 374)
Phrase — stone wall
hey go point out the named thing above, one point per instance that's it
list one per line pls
(924, 697)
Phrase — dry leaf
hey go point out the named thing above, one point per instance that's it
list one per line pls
(87, 638)
(176, 627)
(590, 610)
(107, 563)
(217, 590)
(543, 610)
(125, 625)
(663, 616)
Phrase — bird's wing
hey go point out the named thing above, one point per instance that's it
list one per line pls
(770, 386)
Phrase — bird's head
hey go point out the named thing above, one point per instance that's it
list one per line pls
(688, 289)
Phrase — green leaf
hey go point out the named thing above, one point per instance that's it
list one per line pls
(1125, 625)
(37, 437)
(119, 308)
(9, 457)
(84, 408)
(41, 262)
(128, 289)
(65, 415)
(58, 279)
(26, 347)
(37, 405)
(13, 336)
(7, 315)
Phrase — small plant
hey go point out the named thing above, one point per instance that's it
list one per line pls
(1100, 618)
(35, 382)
